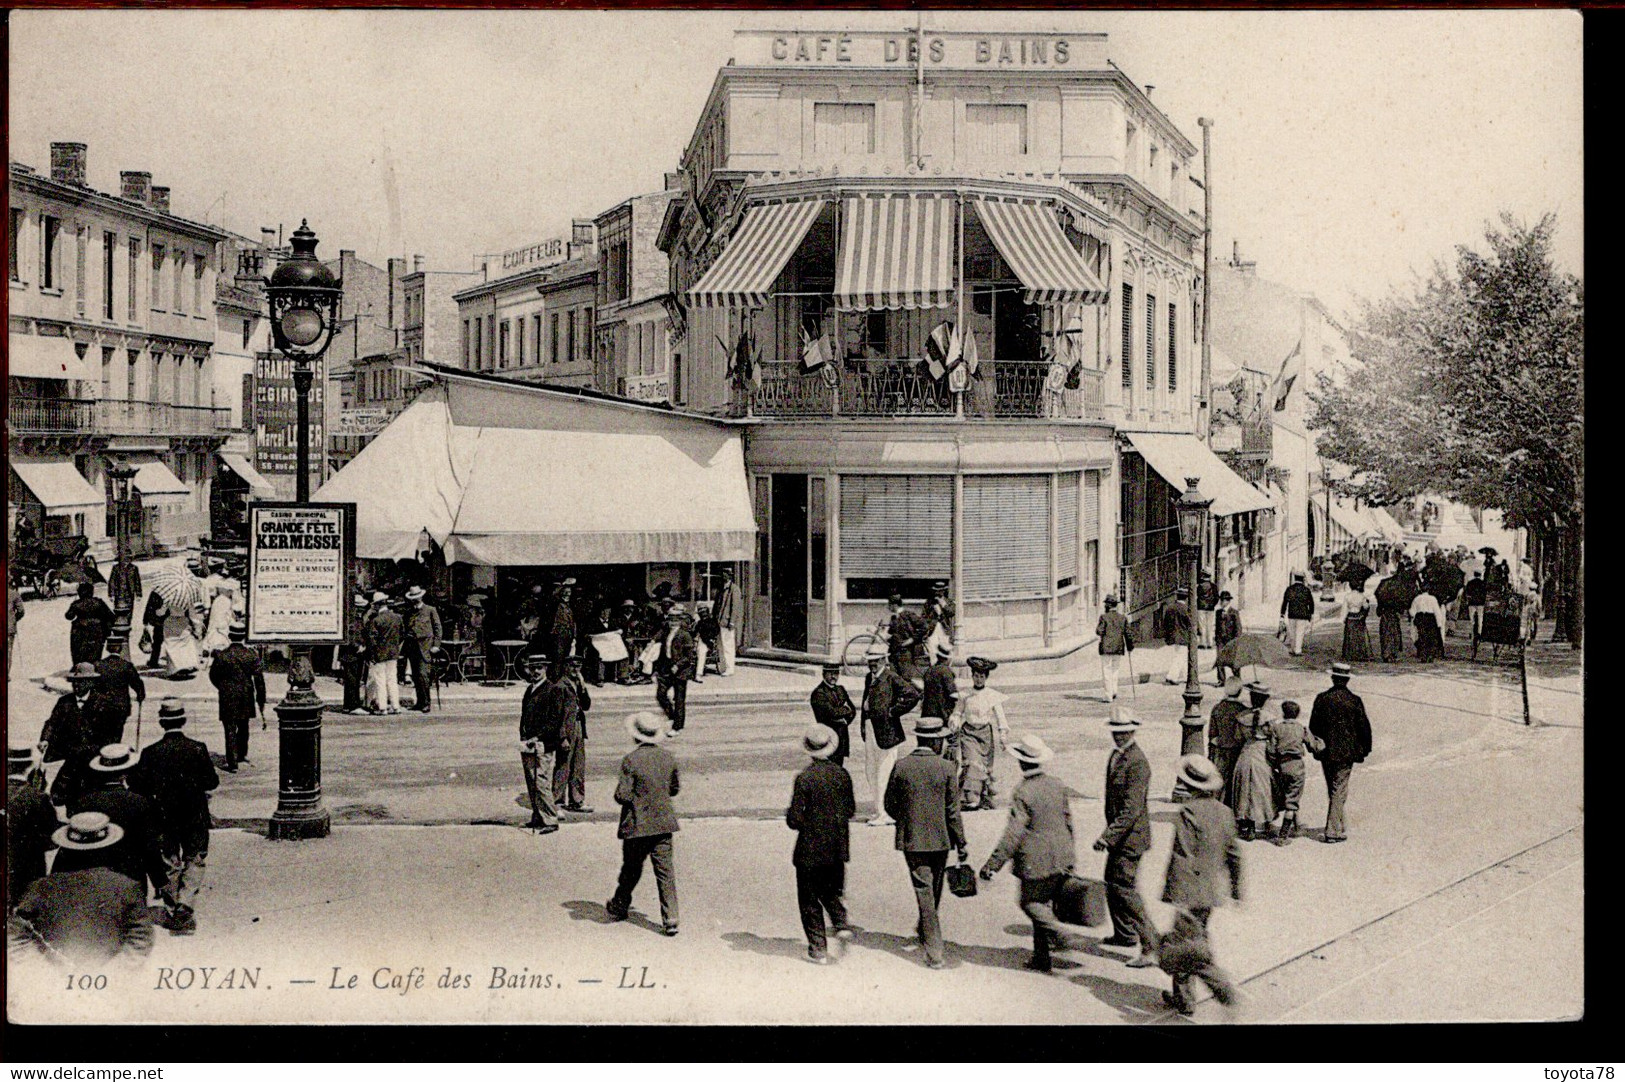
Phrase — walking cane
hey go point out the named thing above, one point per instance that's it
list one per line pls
(1133, 681)
(140, 706)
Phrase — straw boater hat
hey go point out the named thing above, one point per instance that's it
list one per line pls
(414, 593)
(876, 652)
(1198, 772)
(20, 758)
(114, 758)
(1031, 750)
(1182, 592)
(379, 595)
(1123, 721)
(88, 830)
(832, 667)
(646, 727)
(82, 672)
(1297, 576)
(1233, 688)
(171, 713)
(930, 729)
(819, 741)
(1341, 671)
(940, 587)
(238, 631)
(982, 665)
(945, 649)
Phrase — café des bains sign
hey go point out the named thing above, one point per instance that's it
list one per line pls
(960, 50)
(299, 556)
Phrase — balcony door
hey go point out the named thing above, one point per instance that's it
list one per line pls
(788, 561)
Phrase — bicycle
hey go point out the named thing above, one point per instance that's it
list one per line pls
(854, 656)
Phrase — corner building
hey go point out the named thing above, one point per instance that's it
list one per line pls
(868, 187)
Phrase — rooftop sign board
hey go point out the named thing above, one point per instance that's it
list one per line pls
(957, 50)
(531, 256)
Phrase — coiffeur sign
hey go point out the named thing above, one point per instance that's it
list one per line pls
(299, 557)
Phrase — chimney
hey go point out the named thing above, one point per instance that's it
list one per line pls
(1148, 89)
(417, 264)
(581, 231)
(160, 199)
(674, 182)
(136, 187)
(397, 290)
(68, 163)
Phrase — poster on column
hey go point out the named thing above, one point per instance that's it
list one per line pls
(298, 561)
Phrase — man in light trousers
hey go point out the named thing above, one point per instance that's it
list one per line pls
(726, 613)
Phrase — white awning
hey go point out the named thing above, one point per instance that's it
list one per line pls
(509, 476)
(58, 486)
(36, 356)
(1176, 456)
(896, 252)
(158, 485)
(1346, 515)
(257, 484)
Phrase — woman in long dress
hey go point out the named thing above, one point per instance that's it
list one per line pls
(221, 614)
(1252, 781)
(181, 658)
(1428, 618)
(979, 721)
(1356, 637)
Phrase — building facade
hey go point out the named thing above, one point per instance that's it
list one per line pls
(633, 355)
(110, 352)
(533, 321)
(857, 191)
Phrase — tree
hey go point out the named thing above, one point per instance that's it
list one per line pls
(1470, 386)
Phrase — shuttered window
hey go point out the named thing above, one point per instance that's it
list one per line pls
(995, 131)
(1007, 534)
(897, 527)
(1091, 505)
(1126, 356)
(1066, 527)
(1173, 349)
(844, 127)
(1150, 341)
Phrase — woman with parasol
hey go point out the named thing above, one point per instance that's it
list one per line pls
(182, 593)
(1356, 637)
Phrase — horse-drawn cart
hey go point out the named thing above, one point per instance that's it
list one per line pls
(44, 564)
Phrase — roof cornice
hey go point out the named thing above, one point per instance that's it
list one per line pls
(72, 193)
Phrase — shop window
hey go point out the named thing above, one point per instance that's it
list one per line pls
(896, 533)
(1007, 537)
(843, 128)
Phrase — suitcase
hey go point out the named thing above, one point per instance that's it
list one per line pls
(1081, 901)
(962, 880)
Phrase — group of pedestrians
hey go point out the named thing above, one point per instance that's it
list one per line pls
(392, 633)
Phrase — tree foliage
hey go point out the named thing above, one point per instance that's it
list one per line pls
(1469, 385)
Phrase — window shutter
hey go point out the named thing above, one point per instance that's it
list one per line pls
(1126, 356)
(1066, 523)
(1091, 505)
(1150, 341)
(1173, 349)
(1007, 536)
(897, 526)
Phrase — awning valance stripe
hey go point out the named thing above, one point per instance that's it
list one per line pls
(744, 274)
(1031, 241)
(1176, 456)
(157, 483)
(58, 486)
(896, 252)
(257, 484)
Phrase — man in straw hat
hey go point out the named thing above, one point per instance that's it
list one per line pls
(1226, 633)
(648, 818)
(675, 668)
(1204, 872)
(108, 792)
(886, 698)
(923, 797)
(240, 678)
(1039, 838)
(1116, 640)
(69, 731)
(1338, 719)
(381, 638)
(30, 820)
(1126, 839)
(570, 776)
(87, 914)
(821, 807)
(420, 641)
(833, 706)
(542, 716)
(176, 774)
(941, 694)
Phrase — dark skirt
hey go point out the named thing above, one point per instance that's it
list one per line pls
(1429, 641)
(1356, 640)
(1392, 638)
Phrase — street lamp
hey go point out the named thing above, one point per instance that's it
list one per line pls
(304, 297)
(1192, 532)
(121, 584)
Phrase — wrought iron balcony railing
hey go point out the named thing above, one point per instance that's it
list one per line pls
(114, 417)
(1008, 389)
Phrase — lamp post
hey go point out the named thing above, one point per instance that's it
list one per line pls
(119, 584)
(304, 297)
(1192, 531)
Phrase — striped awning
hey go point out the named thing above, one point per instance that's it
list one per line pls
(897, 251)
(766, 238)
(1031, 241)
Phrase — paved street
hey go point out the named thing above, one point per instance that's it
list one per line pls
(1458, 896)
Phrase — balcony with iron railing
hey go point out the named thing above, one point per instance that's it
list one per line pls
(1006, 390)
(113, 417)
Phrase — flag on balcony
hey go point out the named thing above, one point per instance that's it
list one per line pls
(815, 352)
(943, 349)
(742, 358)
(1290, 370)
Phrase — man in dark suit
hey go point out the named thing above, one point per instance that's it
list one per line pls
(237, 673)
(675, 668)
(1298, 610)
(905, 640)
(30, 821)
(832, 706)
(421, 639)
(541, 729)
(886, 698)
(118, 679)
(1226, 630)
(137, 855)
(1116, 640)
(648, 819)
(821, 807)
(124, 585)
(1338, 719)
(1176, 632)
(941, 694)
(923, 797)
(1039, 838)
(1207, 601)
(561, 635)
(1225, 734)
(91, 619)
(1126, 839)
(70, 728)
(561, 698)
(1204, 872)
(177, 775)
(89, 914)
(574, 796)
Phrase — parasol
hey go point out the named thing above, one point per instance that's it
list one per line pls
(179, 588)
(1355, 574)
(1255, 650)
(1489, 550)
